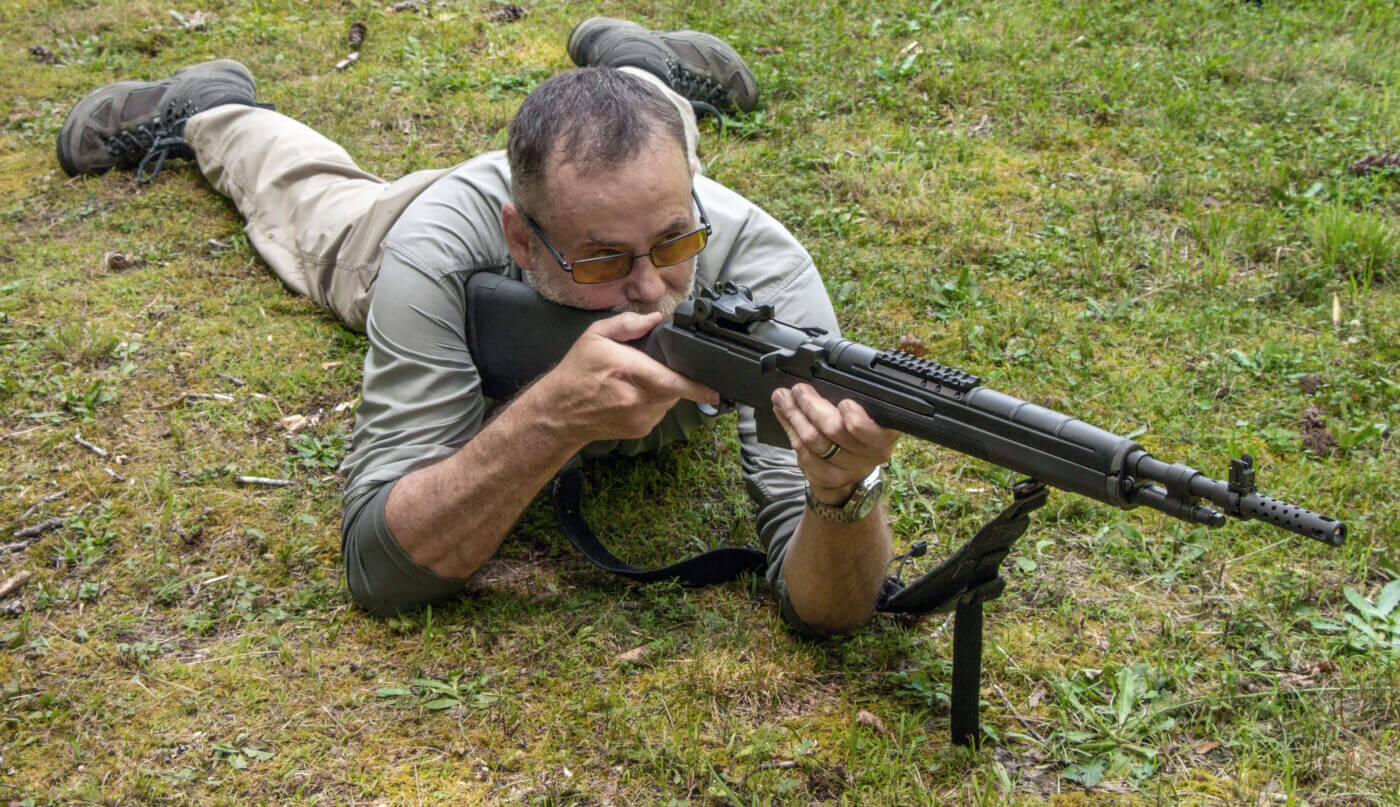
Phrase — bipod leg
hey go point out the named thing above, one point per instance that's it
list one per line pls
(967, 674)
(964, 581)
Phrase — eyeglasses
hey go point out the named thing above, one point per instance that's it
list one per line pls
(613, 267)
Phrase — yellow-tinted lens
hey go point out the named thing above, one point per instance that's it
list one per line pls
(601, 270)
(676, 250)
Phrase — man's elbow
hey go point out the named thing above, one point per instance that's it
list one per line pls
(380, 575)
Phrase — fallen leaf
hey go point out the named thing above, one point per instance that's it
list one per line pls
(983, 125)
(347, 61)
(635, 655)
(43, 55)
(1376, 162)
(295, 423)
(120, 261)
(196, 21)
(870, 721)
(505, 14)
(1205, 747)
(1296, 681)
(911, 344)
(330, 365)
(1037, 697)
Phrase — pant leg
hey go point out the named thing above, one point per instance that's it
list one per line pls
(316, 218)
(692, 131)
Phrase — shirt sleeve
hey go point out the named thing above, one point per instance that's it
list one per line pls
(421, 402)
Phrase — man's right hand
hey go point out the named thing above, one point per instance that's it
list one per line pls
(604, 390)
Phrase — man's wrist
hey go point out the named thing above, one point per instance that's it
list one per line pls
(857, 504)
(833, 497)
(540, 412)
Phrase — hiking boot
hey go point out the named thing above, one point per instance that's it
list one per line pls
(139, 124)
(702, 68)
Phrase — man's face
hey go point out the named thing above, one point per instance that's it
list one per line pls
(591, 211)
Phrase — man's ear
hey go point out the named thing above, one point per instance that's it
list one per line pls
(517, 235)
(694, 167)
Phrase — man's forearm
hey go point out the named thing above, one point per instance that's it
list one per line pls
(833, 571)
(452, 516)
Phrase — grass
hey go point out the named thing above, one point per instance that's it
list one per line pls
(1138, 213)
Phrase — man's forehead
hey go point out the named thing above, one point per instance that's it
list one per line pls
(660, 161)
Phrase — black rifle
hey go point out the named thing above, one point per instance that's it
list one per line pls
(732, 344)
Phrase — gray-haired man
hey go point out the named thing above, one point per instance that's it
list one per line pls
(599, 204)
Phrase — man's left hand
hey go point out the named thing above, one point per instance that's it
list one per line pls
(814, 426)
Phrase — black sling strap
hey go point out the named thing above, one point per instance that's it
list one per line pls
(708, 568)
(968, 578)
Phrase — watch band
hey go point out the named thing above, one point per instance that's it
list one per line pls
(864, 497)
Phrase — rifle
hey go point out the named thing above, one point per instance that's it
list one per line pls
(726, 340)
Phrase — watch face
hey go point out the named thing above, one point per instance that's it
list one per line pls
(868, 497)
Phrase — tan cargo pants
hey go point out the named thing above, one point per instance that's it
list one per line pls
(315, 217)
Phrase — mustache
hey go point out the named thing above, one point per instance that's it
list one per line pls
(666, 305)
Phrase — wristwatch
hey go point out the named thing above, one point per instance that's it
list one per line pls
(863, 499)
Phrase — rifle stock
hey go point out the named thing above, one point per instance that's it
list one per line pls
(729, 342)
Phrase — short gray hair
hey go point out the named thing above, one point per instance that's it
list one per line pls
(594, 116)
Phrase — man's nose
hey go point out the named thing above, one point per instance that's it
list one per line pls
(644, 284)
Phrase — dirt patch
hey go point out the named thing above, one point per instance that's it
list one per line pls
(1316, 438)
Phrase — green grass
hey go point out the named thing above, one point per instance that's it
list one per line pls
(1138, 213)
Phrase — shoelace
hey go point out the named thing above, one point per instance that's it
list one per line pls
(147, 143)
(705, 94)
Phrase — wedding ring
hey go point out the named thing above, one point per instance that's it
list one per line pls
(830, 452)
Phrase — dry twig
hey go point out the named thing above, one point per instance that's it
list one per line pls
(35, 506)
(99, 451)
(262, 480)
(13, 584)
(39, 529)
(186, 397)
(1017, 715)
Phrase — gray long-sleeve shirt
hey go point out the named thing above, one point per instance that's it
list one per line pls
(422, 396)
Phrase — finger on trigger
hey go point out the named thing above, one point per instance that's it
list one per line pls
(680, 386)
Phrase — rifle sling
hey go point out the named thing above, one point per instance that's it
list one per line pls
(968, 578)
(707, 568)
(972, 569)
